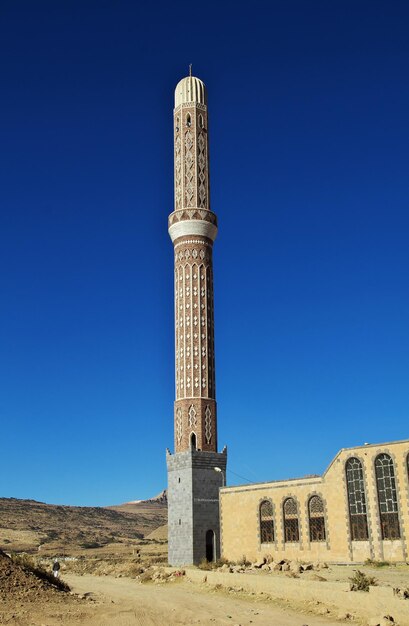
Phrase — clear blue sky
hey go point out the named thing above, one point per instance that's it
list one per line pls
(309, 135)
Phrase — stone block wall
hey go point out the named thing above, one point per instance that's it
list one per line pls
(193, 503)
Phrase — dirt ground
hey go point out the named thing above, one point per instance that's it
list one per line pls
(125, 602)
(106, 591)
(115, 600)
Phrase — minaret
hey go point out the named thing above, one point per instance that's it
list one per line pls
(193, 489)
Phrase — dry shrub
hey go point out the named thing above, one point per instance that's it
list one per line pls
(401, 593)
(209, 565)
(362, 582)
(134, 570)
(372, 563)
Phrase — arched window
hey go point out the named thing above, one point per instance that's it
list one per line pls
(266, 522)
(291, 530)
(356, 500)
(316, 519)
(387, 499)
(177, 124)
(188, 120)
(193, 441)
(201, 122)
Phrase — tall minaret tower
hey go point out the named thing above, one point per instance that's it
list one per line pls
(196, 470)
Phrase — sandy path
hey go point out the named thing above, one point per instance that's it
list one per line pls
(124, 602)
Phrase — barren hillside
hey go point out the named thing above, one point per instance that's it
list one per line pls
(35, 526)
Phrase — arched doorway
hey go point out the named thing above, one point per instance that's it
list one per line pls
(210, 546)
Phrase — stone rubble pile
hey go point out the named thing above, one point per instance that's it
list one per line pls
(16, 582)
(158, 575)
(267, 565)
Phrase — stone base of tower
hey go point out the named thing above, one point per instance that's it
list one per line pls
(193, 505)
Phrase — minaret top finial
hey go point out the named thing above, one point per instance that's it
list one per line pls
(190, 69)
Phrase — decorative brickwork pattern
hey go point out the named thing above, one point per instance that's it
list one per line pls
(179, 427)
(191, 157)
(194, 342)
(192, 214)
(178, 168)
(202, 170)
(208, 424)
(189, 169)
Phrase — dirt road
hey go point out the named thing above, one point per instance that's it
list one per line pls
(124, 602)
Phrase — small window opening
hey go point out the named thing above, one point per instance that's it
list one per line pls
(188, 120)
(201, 123)
(180, 522)
(179, 480)
(193, 441)
(177, 125)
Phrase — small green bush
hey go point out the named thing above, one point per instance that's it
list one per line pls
(362, 582)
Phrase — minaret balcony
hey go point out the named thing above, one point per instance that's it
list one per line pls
(192, 222)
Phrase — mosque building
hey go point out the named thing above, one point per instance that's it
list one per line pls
(357, 510)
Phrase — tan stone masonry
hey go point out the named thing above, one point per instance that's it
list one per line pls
(240, 518)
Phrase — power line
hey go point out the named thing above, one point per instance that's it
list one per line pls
(242, 477)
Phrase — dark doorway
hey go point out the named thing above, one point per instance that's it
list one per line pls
(210, 547)
(193, 441)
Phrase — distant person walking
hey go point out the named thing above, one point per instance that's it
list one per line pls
(56, 568)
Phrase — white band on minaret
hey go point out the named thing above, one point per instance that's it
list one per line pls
(187, 228)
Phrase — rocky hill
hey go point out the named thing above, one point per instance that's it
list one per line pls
(137, 506)
(35, 526)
